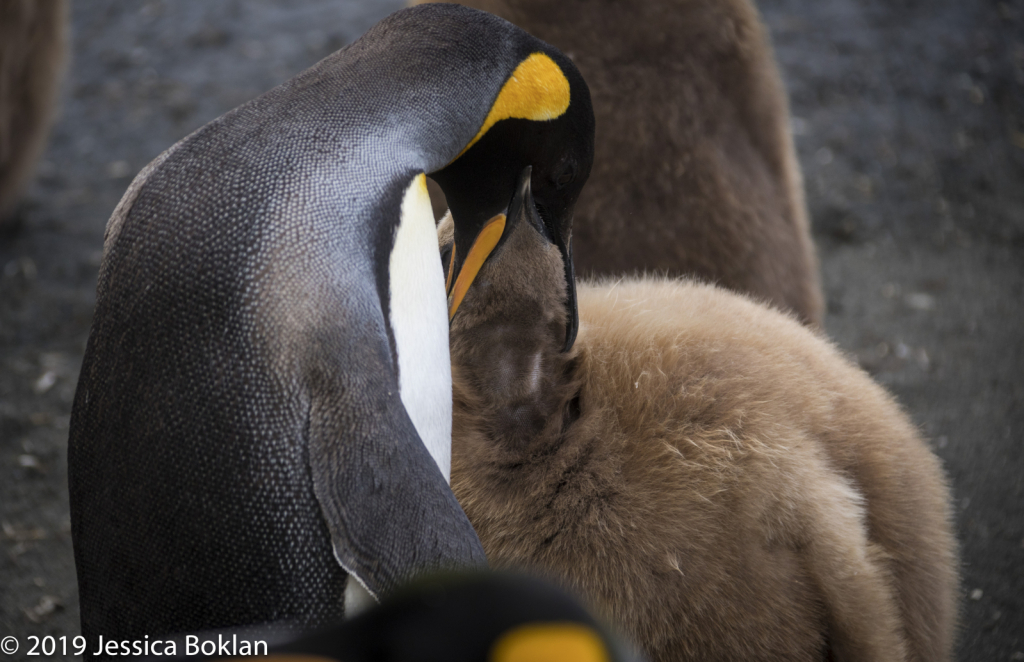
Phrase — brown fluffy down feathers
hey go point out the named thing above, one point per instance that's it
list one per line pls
(714, 478)
(33, 47)
(695, 172)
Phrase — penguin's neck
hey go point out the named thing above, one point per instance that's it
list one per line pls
(419, 322)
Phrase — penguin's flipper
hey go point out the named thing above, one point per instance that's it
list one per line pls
(390, 511)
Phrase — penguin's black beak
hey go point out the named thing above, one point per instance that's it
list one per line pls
(521, 208)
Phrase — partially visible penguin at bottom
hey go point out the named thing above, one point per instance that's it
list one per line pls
(458, 617)
(709, 475)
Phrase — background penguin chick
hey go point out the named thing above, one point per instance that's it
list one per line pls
(713, 477)
(695, 170)
(33, 47)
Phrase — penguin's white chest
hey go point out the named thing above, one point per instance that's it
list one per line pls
(419, 321)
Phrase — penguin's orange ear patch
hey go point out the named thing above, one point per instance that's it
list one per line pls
(537, 90)
(550, 642)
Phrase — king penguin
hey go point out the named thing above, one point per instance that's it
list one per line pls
(264, 408)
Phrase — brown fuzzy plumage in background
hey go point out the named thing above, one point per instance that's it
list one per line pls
(694, 171)
(713, 477)
(33, 47)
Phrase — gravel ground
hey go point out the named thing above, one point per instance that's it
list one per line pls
(909, 117)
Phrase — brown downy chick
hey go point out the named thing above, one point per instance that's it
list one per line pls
(714, 478)
(33, 48)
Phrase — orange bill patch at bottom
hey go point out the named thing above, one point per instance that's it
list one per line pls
(550, 642)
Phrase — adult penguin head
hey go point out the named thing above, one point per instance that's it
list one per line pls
(541, 119)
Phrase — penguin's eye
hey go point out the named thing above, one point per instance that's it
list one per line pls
(564, 175)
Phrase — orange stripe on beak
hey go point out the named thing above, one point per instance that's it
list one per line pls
(482, 247)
